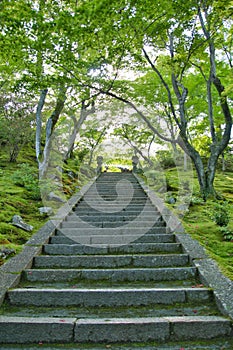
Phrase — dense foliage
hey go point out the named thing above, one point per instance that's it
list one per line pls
(169, 62)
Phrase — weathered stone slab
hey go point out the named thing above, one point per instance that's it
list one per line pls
(109, 217)
(112, 239)
(106, 297)
(103, 223)
(134, 248)
(199, 327)
(116, 231)
(102, 297)
(121, 330)
(133, 274)
(111, 261)
(34, 330)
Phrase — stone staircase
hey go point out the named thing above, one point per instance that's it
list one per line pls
(112, 273)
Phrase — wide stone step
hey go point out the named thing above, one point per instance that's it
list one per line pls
(115, 188)
(110, 261)
(107, 224)
(98, 210)
(114, 198)
(101, 217)
(116, 231)
(109, 197)
(111, 216)
(102, 239)
(133, 248)
(126, 212)
(74, 311)
(112, 195)
(107, 297)
(97, 205)
(54, 330)
(120, 274)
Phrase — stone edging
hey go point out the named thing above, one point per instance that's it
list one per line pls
(10, 272)
(208, 270)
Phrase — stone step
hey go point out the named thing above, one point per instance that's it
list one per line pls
(102, 239)
(113, 297)
(101, 217)
(21, 330)
(144, 329)
(96, 216)
(133, 248)
(116, 231)
(117, 212)
(114, 189)
(78, 223)
(114, 196)
(110, 261)
(202, 308)
(117, 205)
(116, 180)
(117, 274)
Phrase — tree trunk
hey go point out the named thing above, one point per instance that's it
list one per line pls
(77, 126)
(223, 163)
(51, 122)
(91, 156)
(39, 123)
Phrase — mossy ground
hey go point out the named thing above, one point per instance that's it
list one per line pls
(20, 195)
(197, 220)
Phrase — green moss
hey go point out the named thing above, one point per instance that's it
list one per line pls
(198, 223)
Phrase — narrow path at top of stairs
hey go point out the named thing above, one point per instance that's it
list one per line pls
(112, 273)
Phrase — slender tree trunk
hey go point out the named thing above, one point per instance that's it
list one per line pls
(223, 163)
(77, 126)
(95, 145)
(39, 123)
(51, 122)
(91, 156)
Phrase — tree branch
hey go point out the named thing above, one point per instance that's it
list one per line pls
(150, 126)
(164, 84)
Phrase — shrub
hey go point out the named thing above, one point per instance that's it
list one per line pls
(166, 159)
(227, 233)
(26, 177)
(220, 214)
